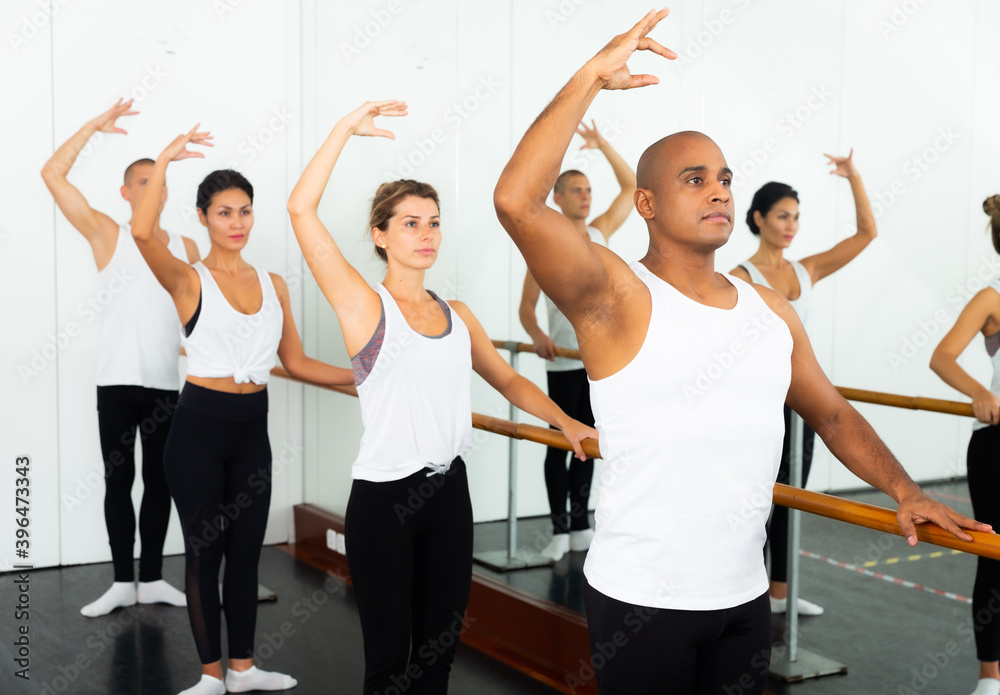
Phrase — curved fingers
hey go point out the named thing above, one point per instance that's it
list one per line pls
(647, 44)
(647, 23)
(641, 81)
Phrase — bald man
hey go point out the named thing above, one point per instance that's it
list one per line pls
(137, 379)
(689, 369)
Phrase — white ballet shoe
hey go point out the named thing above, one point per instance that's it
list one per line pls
(120, 594)
(579, 541)
(780, 605)
(987, 686)
(557, 547)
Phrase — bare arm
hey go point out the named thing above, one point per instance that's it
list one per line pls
(488, 363)
(829, 262)
(609, 222)
(852, 440)
(543, 344)
(191, 249)
(293, 357)
(177, 277)
(356, 304)
(96, 227)
(981, 314)
(569, 269)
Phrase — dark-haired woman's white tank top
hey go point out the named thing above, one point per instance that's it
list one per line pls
(803, 302)
(691, 434)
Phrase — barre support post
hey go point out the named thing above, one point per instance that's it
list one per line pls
(512, 558)
(796, 664)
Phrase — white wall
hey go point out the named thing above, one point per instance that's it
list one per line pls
(475, 75)
(777, 84)
(233, 67)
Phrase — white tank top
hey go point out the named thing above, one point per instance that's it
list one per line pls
(560, 329)
(228, 343)
(416, 400)
(804, 300)
(993, 350)
(691, 434)
(139, 345)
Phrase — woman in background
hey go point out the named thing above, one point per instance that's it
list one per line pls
(774, 217)
(981, 315)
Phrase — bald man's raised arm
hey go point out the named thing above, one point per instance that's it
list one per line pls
(574, 273)
(563, 262)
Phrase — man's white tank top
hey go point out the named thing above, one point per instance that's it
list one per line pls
(229, 343)
(416, 400)
(691, 434)
(804, 301)
(993, 350)
(139, 344)
(560, 329)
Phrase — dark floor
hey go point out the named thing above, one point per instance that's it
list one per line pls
(894, 639)
(311, 631)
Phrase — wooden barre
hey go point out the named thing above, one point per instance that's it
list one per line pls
(891, 399)
(911, 402)
(838, 508)
(528, 347)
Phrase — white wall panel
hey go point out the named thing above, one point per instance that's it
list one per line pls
(28, 351)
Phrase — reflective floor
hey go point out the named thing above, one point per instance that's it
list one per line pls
(311, 632)
(902, 624)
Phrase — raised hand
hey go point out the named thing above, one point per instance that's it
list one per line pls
(106, 121)
(361, 121)
(592, 140)
(610, 64)
(178, 150)
(842, 166)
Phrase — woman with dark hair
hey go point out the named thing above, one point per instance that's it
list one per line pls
(217, 458)
(981, 315)
(774, 217)
(409, 517)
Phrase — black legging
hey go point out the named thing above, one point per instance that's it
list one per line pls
(218, 465)
(777, 528)
(571, 392)
(984, 486)
(123, 413)
(636, 650)
(409, 551)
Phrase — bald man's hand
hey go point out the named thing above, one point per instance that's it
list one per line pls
(610, 64)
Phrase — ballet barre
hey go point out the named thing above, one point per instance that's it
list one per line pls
(830, 506)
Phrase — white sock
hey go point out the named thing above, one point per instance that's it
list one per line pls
(160, 592)
(208, 685)
(120, 594)
(580, 540)
(557, 547)
(987, 686)
(780, 605)
(255, 679)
